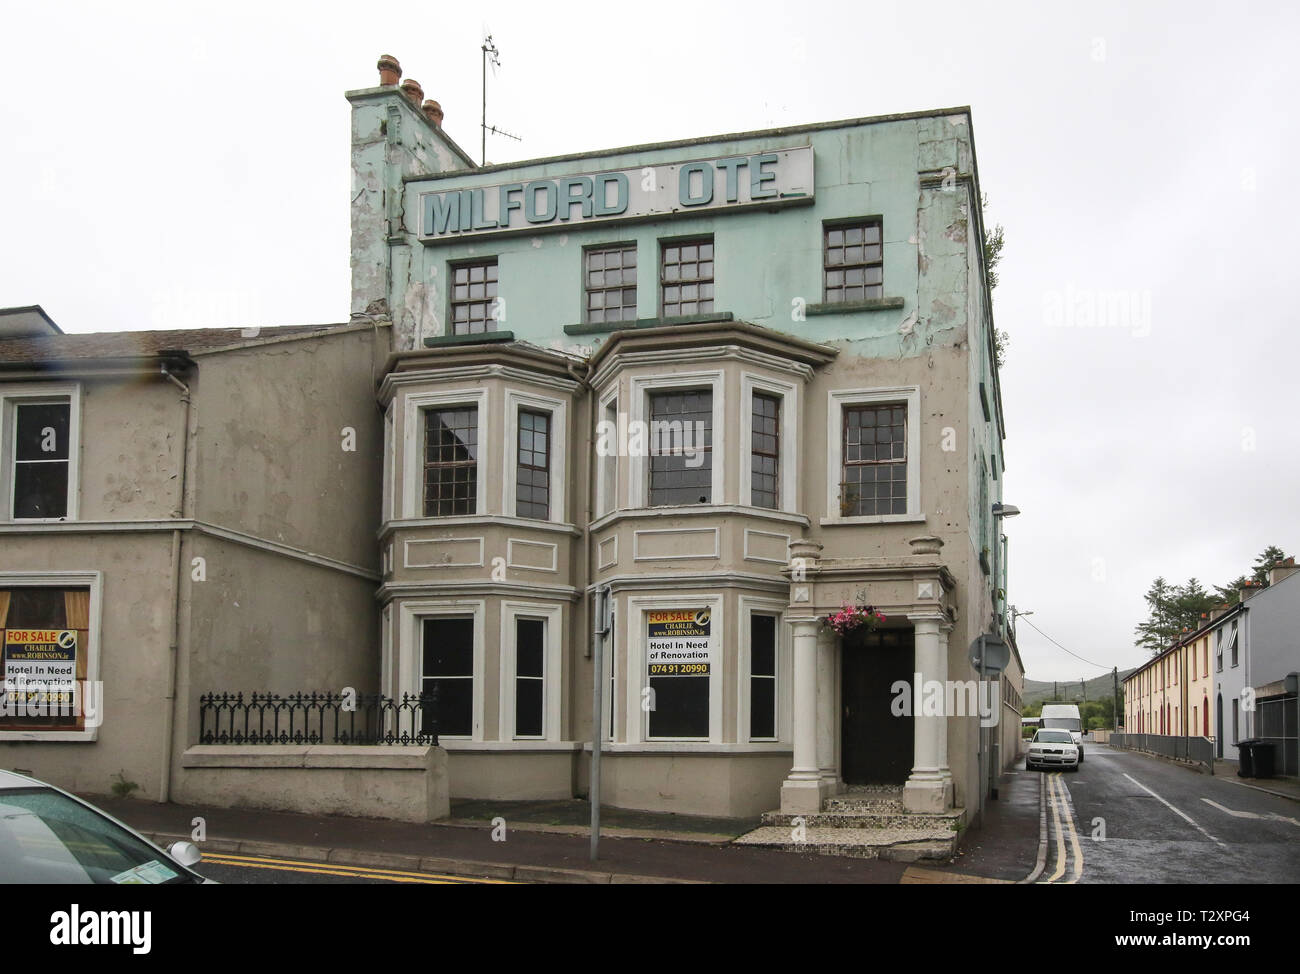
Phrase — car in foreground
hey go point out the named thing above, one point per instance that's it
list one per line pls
(50, 836)
(1052, 749)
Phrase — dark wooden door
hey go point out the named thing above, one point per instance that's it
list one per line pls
(875, 745)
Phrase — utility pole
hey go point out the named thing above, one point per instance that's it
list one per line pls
(1054, 690)
(1115, 716)
(1084, 685)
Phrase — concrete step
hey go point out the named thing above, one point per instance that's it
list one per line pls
(855, 818)
(898, 844)
(850, 803)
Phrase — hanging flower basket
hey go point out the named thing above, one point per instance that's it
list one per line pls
(852, 617)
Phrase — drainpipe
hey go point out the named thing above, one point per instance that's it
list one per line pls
(581, 375)
(173, 647)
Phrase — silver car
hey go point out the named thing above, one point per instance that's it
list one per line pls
(1052, 748)
(50, 836)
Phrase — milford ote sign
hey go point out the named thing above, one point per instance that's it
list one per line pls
(772, 178)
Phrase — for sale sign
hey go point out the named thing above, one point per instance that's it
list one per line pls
(680, 642)
(44, 657)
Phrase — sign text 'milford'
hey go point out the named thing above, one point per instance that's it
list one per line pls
(767, 179)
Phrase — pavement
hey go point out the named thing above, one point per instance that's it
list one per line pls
(548, 842)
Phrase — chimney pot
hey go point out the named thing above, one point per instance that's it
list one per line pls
(389, 70)
(412, 90)
(433, 112)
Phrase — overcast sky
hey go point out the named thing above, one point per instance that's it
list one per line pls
(186, 164)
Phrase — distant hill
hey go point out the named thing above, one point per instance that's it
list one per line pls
(1094, 689)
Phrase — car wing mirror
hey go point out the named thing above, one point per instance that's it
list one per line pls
(186, 853)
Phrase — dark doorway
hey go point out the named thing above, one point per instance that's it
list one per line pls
(875, 745)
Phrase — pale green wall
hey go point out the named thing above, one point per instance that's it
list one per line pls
(765, 259)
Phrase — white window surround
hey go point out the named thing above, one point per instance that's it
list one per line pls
(638, 680)
(558, 410)
(410, 661)
(749, 606)
(836, 401)
(787, 461)
(552, 616)
(95, 582)
(639, 487)
(413, 445)
(35, 393)
(607, 499)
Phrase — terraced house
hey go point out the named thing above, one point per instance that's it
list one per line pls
(655, 412)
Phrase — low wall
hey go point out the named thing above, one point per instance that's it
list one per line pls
(506, 774)
(727, 785)
(407, 783)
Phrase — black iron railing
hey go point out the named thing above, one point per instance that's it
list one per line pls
(318, 718)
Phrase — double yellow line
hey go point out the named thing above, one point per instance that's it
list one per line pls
(329, 869)
(1059, 800)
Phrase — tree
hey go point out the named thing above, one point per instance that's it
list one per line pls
(1158, 629)
(1270, 556)
(1172, 609)
(993, 241)
(1190, 602)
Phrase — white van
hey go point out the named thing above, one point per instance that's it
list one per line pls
(1065, 716)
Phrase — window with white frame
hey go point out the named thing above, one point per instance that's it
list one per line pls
(674, 648)
(607, 448)
(535, 456)
(769, 425)
(530, 677)
(674, 430)
(530, 688)
(681, 440)
(533, 465)
(447, 671)
(49, 636)
(450, 461)
(765, 450)
(873, 455)
(762, 677)
(38, 452)
(440, 456)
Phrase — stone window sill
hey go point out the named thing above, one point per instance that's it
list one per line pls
(854, 307)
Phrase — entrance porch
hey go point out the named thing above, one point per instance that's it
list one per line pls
(854, 723)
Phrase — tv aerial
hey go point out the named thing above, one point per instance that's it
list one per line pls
(493, 56)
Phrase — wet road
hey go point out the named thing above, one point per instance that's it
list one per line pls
(1126, 817)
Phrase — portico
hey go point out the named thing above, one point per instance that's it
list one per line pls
(850, 722)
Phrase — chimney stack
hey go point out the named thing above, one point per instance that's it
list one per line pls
(389, 70)
(412, 90)
(433, 112)
(1248, 589)
(1281, 570)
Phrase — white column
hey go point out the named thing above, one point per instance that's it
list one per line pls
(802, 791)
(924, 790)
(942, 675)
(826, 708)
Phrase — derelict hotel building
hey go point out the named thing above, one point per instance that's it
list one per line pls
(709, 390)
